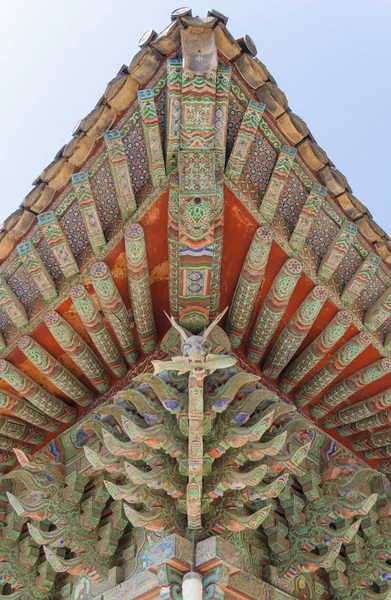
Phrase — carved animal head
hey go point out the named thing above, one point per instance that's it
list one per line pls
(196, 347)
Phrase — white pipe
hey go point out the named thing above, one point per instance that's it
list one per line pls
(192, 586)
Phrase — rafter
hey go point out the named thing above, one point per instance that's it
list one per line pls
(273, 308)
(115, 310)
(334, 367)
(37, 395)
(294, 332)
(58, 243)
(249, 284)
(55, 371)
(11, 304)
(78, 351)
(89, 211)
(337, 250)
(139, 287)
(36, 269)
(97, 330)
(120, 171)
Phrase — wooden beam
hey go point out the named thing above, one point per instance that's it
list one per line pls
(55, 371)
(273, 308)
(76, 348)
(152, 138)
(379, 312)
(277, 182)
(315, 352)
(173, 113)
(35, 267)
(223, 86)
(249, 285)
(58, 243)
(18, 407)
(97, 330)
(361, 278)
(38, 396)
(120, 172)
(115, 310)
(337, 250)
(246, 135)
(307, 216)
(334, 367)
(139, 287)
(351, 385)
(12, 306)
(89, 211)
(294, 332)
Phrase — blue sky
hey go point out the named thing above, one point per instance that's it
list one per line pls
(332, 59)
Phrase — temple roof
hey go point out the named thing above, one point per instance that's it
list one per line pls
(70, 253)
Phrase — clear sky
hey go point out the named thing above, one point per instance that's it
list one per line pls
(332, 59)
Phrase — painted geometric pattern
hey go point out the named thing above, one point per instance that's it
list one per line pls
(235, 116)
(160, 103)
(373, 290)
(4, 320)
(73, 227)
(49, 260)
(136, 155)
(258, 168)
(383, 329)
(24, 288)
(105, 197)
(322, 234)
(348, 266)
(292, 200)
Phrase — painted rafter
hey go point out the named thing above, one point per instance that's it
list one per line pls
(97, 329)
(89, 211)
(58, 243)
(115, 310)
(36, 269)
(37, 395)
(77, 349)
